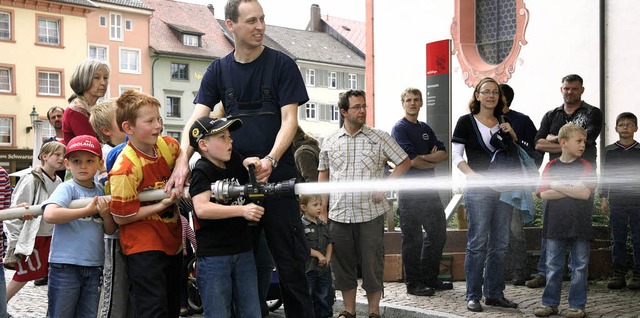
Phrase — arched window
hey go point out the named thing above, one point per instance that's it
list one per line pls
(487, 37)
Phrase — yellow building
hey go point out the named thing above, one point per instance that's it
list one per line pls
(41, 43)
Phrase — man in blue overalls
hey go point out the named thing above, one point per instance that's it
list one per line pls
(263, 87)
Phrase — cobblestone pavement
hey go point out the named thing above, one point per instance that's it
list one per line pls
(31, 301)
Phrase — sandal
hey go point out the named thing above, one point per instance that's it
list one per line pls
(346, 314)
(374, 315)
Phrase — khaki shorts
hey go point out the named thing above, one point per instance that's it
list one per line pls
(358, 243)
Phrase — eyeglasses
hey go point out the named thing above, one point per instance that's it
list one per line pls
(359, 108)
(629, 125)
(490, 92)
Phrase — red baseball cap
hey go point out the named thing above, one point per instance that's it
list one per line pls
(84, 143)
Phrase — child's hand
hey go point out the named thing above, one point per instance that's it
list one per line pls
(322, 261)
(103, 207)
(252, 212)
(171, 200)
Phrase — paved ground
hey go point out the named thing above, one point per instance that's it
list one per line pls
(31, 302)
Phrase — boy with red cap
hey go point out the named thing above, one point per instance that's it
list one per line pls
(77, 248)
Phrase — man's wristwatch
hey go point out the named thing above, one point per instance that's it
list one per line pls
(274, 162)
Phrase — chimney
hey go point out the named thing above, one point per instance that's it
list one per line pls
(315, 22)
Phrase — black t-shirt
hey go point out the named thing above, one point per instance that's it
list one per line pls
(567, 218)
(221, 236)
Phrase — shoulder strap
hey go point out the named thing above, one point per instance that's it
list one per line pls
(165, 152)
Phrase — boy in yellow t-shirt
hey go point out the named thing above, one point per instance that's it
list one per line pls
(150, 232)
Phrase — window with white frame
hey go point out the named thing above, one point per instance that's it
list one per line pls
(103, 21)
(335, 113)
(311, 111)
(310, 76)
(49, 31)
(179, 71)
(6, 80)
(98, 52)
(6, 131)
(129, 60)
(172, 104)
(190, 40)
(5, 26)
(333, 80)
(128, 25)
(115, 26)
(175, 134)
(47, 129)
(124, 88)
(353, 81)
(49, 83)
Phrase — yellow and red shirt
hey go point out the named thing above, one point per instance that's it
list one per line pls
(135, 171)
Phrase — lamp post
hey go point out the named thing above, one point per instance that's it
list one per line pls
(35, 125)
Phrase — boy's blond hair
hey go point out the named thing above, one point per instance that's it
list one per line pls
(570, 129)
(306, 198)
(129, 103)
(101, 117)
(49, 148)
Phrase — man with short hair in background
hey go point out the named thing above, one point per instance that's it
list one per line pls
(418, 210)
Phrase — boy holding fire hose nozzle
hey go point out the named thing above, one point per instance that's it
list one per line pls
(226, 267)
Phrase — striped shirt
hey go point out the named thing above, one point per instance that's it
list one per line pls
(360, 157)
(5, 199)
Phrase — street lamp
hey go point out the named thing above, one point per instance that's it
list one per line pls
(37, 136)
(34, 119)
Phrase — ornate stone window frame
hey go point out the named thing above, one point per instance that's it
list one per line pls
(474, 68)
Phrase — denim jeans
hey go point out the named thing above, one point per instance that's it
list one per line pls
(3, 294)
(488, 238)
(74, 291)
(223, 280)
(578, 265)
(321, 291)
(542, 262)
(623, 214)
(421, 252)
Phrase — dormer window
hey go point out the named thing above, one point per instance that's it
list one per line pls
(191, 40)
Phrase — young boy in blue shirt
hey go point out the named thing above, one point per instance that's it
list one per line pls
(566, 188)
(226, 267)
(77, 247)
(621, 197)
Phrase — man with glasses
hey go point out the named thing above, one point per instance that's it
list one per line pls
(418, 210)
(573, 110)
(357, 152)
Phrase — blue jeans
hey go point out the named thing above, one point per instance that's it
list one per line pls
(74, 291)
(321, 291)
(3, 294)
(223, 280)
(623, 214)
(542, 262)
(579, 266)
(488, 238)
